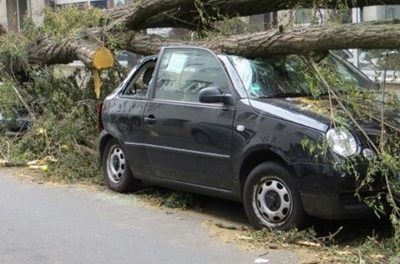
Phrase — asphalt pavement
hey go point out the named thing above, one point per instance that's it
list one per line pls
(43, 224)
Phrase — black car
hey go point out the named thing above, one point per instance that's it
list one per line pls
(231, 127)
(14, 126)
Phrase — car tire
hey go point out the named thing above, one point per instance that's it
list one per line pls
(116, 170)
(271, 199)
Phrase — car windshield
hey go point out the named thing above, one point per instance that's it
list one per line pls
(290, 76)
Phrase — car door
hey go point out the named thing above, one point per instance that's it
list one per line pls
(188, 141)
(129, 115)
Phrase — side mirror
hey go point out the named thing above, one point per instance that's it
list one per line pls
(214, 95)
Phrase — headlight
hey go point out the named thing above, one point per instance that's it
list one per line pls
(342, 142)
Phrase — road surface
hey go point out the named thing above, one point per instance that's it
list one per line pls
(42, 223)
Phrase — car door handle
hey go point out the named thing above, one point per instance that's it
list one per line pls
(150, 119)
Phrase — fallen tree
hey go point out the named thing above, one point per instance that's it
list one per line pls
(297, 40)
(300, 40)
(191, 13)
(93, 46)
(47, 51)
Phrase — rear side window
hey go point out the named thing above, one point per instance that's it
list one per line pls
(139, 86)
(184, 73)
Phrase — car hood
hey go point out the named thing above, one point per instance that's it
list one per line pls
(314, 113)
(301, 110)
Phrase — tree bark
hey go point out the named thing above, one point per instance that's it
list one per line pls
(300, 40)
(47, 51)
(316, 39)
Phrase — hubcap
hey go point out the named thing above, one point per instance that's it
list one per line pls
(116, 164)
(272, 201)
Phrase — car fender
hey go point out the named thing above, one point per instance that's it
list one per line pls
(104, 136)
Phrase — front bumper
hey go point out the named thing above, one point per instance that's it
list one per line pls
(329, 194)
(334, 208)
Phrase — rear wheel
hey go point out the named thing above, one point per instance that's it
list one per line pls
(116, 170)
(271, 198)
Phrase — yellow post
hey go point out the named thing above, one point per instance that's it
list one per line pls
(97, 83)
(102, 59)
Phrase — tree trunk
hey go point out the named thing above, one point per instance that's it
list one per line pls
(47, 51)
(307, 40)
(2, 30)
(89, 46)
(300, 40)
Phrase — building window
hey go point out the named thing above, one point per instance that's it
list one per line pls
(16, 12)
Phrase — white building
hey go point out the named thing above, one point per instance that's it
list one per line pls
(12, 12)
(380, 12)
(95, 3)
(305, 16)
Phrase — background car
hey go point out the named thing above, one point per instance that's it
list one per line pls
(14, 126)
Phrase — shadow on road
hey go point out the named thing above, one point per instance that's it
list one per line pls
(217, 208)
(351, 231)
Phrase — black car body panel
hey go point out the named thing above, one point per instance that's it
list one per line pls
(210, 148)
(187, 134)
(15, 126)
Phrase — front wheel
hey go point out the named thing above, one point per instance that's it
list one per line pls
(271, 198)
(116, 170)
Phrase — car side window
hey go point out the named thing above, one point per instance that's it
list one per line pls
(138, 87)
(184, 73)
